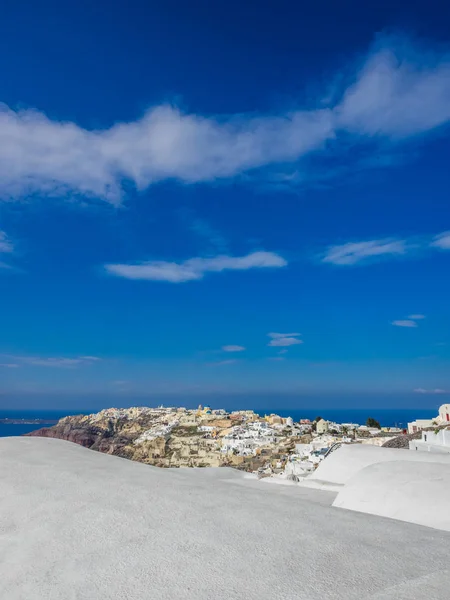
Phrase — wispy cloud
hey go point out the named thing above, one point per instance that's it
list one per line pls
(6, 245)
(355, 252)
(50, 361)
(284, 339)
(435, 391)
(232, 348)
(441, 241)
(410, 321)
(400, 91)
(282, 335)
(9, 365)
(404, 323)
(195, 268)
(352, 253)
(205, 230)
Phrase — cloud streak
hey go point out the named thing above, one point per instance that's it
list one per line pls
(6, 245)
(232, 348)
(404, 323)
(442, 241)
(400, 91)
(435, 391)
(353, 253)
(49, 361)
(195, 268)
(284, 339)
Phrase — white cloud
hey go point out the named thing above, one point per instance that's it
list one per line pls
(9, 365)
(52, 157)
(435, 391)
(404, 323)
(416, 317)
(58, 362)
(354, 252)
(5, 244)
(285, 342)
(441, 241)
(195, 268)
(398, 92)
(282, 335)
(284, 339)
(232, 348)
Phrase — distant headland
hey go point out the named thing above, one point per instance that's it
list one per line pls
(7, 421)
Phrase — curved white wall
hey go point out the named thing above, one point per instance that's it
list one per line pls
(413, 491)
(344, 463)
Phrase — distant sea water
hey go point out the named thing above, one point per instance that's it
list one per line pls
(387, 418)
(14, 430)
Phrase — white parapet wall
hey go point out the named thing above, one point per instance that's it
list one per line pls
(432, 441)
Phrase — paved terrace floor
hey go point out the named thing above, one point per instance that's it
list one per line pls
(79, 525)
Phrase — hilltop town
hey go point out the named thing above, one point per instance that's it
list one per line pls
(180, 437)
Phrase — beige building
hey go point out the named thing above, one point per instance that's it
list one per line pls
(274, 420)
(322, 426)
(419, 424)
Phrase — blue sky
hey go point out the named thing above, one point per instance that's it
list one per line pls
(239, 200)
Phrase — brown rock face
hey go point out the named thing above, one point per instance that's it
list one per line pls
(96, 438)
(83, 437)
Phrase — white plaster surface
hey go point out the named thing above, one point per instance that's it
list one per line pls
(413, 491)
(79, 525)
(343, 464)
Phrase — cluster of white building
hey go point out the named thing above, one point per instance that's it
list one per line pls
(158, 430)
(253, 432)
(244, 440)
(132, 413)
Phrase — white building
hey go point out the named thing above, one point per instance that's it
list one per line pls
(432, 441)
(444, 414)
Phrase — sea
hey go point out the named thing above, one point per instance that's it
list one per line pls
(387, 418)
